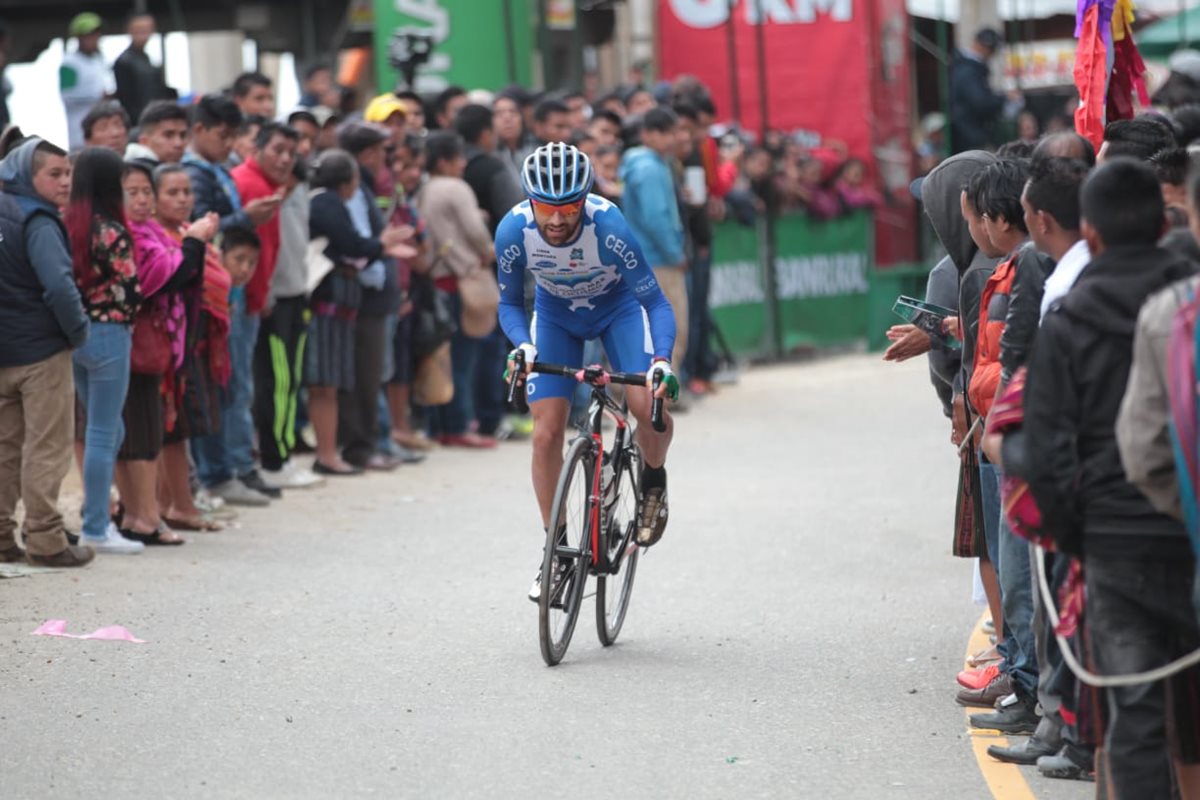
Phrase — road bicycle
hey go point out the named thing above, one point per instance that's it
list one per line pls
(593, 521)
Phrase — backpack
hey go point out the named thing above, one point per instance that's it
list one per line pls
(1183, 395)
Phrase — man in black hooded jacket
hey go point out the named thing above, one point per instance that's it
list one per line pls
(1138, 563)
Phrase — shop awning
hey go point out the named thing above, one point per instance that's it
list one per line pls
(1168, 35)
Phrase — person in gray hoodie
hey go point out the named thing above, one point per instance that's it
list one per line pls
(957, 282)
(41, 320)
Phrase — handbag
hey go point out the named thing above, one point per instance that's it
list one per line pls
(433, 318)
(480, 295)
(150, 352)
(317, 263)
(433, 381)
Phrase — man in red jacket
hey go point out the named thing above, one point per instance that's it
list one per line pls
(265, 175)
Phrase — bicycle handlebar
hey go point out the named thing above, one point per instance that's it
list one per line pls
(594, 376)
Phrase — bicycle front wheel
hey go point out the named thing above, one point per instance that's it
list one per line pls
(612, 591)
(567, 555)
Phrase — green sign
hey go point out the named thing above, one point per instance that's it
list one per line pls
(479, 44)
(822, 273)
(737, 295)
(822, 276)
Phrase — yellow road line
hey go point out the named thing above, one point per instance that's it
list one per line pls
(1004, 780)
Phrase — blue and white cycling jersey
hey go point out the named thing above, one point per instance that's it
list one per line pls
(583, 286)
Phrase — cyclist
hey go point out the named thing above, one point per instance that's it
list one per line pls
(593, 282)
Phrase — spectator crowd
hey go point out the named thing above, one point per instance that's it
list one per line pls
(1066, 365)
(196, 296)
(224, 302)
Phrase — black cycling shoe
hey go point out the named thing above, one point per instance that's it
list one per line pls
(652, 517)
(535, 591)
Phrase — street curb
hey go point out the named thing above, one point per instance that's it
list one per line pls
(1004, 780)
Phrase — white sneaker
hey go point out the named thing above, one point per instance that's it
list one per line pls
(292, 476)
(113, 543)
(207, 502)
(237, 493)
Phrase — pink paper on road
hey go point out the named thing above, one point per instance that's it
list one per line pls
(110, 633)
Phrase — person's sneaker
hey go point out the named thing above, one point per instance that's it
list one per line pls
(652, 517)
(408, 455)
(514, 428)
(113, 543)
(1013, 716)
(236, 493)
(11, 555)
(254, 480)
(76, 555)
(978, 678)
(292, 476)
(986, 697)
(207, 502)
(1063, 766)
(1026, 752)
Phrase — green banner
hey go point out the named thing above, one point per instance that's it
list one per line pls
(822, 274)
(736, 295)
(473, 47)
(822, 277)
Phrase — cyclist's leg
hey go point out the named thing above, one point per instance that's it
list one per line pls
(549, 402)
(629, 347)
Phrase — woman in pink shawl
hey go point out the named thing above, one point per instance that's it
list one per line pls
(166, 270)
(206, 365)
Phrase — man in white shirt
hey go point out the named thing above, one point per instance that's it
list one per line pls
(1052, 214)
(83, 79)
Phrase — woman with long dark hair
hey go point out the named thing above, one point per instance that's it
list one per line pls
(165, 271)
(106, 273)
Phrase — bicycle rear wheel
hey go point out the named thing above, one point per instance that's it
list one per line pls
(567, 555)
(612, 591)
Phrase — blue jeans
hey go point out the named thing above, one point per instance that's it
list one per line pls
(101, 381)
(229, 453)
(1016, 596)
(989, 480)
(701, 361)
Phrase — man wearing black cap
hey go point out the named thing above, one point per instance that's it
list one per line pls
(974, 107)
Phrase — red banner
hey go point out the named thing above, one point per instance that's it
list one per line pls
(815, 53)
(836, 69)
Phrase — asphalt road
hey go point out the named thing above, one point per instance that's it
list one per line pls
(795, 634)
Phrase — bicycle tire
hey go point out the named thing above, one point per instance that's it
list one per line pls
(616, 589)
(558, 606)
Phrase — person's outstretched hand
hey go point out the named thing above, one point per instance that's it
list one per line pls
(907, 341)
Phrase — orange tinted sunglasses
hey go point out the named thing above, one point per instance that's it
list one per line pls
(567, 209)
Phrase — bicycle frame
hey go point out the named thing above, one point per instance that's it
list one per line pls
(597, 378)
(600, 405)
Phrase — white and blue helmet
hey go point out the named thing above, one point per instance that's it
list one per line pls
(557, 173)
